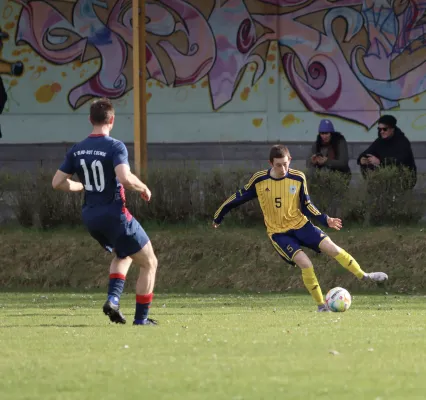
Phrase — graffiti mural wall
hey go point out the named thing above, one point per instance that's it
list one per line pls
(218, 70)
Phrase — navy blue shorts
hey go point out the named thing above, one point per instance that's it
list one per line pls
(288, 244)
(120, 233)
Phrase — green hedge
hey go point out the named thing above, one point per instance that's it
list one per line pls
(381, 199)
(199, 257)
(188, 195)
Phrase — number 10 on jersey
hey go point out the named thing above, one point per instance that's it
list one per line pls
(97, 173)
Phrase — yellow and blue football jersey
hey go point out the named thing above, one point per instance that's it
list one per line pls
(285, 202)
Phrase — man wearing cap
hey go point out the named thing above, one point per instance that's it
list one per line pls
(391, 148)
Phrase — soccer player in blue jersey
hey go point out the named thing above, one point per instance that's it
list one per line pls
(286, 206)
(102, 166)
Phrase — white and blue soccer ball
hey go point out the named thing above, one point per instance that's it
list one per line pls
(338, 299)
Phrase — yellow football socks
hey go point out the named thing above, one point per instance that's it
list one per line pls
(311, 282)
(348, 262)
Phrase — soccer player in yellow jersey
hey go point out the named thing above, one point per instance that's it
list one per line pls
(286, 206)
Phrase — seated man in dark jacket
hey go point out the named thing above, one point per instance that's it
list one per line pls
(390, 148)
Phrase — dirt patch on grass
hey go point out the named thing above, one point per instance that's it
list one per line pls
(200, 258)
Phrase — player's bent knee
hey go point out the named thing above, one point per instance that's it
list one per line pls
(150, 265)
(121, 262)
(302, 260)
(330, 248)
(146, 258)
(153, 263)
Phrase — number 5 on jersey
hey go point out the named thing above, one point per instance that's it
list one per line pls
(97, 174)
(278, 202)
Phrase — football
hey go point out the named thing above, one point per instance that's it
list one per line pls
(338, 299)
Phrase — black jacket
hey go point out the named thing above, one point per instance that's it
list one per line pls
(340, 147)
(3, 96)
(393, 151)
(3, 99)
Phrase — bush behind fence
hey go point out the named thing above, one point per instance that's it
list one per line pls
(188, 195)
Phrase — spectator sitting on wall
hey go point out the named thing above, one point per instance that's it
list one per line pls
(3, 99)
(330, 151)
(391, 148)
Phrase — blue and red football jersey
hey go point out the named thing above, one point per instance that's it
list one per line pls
(94, 160)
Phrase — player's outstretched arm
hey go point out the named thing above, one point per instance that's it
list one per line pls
(131, 181)
(63, 181)
(247, 193)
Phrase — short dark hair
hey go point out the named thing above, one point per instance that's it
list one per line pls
(101, 111)
(278, 151)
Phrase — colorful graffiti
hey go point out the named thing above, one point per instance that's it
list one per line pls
(9, 68)
(349, 58)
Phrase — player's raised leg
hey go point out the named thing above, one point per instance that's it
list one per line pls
(147, 262)
(117, 277)
(347, 261)
(309, 279)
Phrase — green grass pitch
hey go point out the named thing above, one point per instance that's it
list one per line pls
(227, 346)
